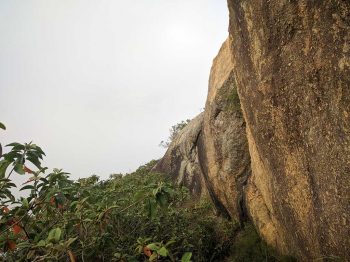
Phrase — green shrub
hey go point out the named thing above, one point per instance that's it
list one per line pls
(249, 247)
(135, 217)
(140, 216)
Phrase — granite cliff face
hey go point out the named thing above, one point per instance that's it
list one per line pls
(223, 146)
(211, 152)
(181, 159)
(291, 66)
(273, 144)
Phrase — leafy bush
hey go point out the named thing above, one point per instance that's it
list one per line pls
(136, 217)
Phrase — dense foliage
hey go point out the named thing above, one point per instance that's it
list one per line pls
(135, 217)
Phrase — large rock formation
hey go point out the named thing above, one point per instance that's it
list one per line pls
(211, 152)
(223, 147)
(287, 157)
(291, 63)
(181, 159)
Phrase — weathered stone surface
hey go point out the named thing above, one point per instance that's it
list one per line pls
(223, 147)
(181, 159)
(291, 66)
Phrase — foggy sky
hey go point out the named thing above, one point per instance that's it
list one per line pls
(97, 84)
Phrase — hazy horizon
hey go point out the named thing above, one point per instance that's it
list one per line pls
(98, 84)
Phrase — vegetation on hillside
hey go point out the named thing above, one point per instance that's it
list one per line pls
(134, 217)
(174, 131)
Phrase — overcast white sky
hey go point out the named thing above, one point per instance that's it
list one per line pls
(98, 83)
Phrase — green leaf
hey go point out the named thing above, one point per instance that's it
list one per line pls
(23, 244)
(19, 168)
(153, 246)
(168, 190)
(155, 191)
(34, 160)
(162, 200)
(55, 234)
(17, 145)
(170, 242)
(70, 241)
(25, 203)
(35, 154)
(58, 233)
(10, 156)
(139, 195)
(186, 257)
(152, 207)
(39, 150)
(44, 180)
(153, 257)
(41, 243)
(27, 187)
(100, 216)
(74, 204)
(3, 167)
(84, 200)
(11, 185)
(30, 254)
(2, 126)
(163, 252)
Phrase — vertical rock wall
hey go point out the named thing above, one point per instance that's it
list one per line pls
(275, 135)
(211, 152)
(223, 147)
(291, 66)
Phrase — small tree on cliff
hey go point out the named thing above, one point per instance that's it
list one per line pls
(174, 131)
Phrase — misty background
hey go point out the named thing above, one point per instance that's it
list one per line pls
(98, 84)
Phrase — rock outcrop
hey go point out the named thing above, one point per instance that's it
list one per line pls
(291, 64)
(223, 146)
(274, 140)
(181, 159)
(211, 152)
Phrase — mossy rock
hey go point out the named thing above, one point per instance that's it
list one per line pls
(228, 99)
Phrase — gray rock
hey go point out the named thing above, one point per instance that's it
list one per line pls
(181, 159)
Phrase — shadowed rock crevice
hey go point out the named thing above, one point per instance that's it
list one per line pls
(221, 209)
(224, 146)
(243, 214)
